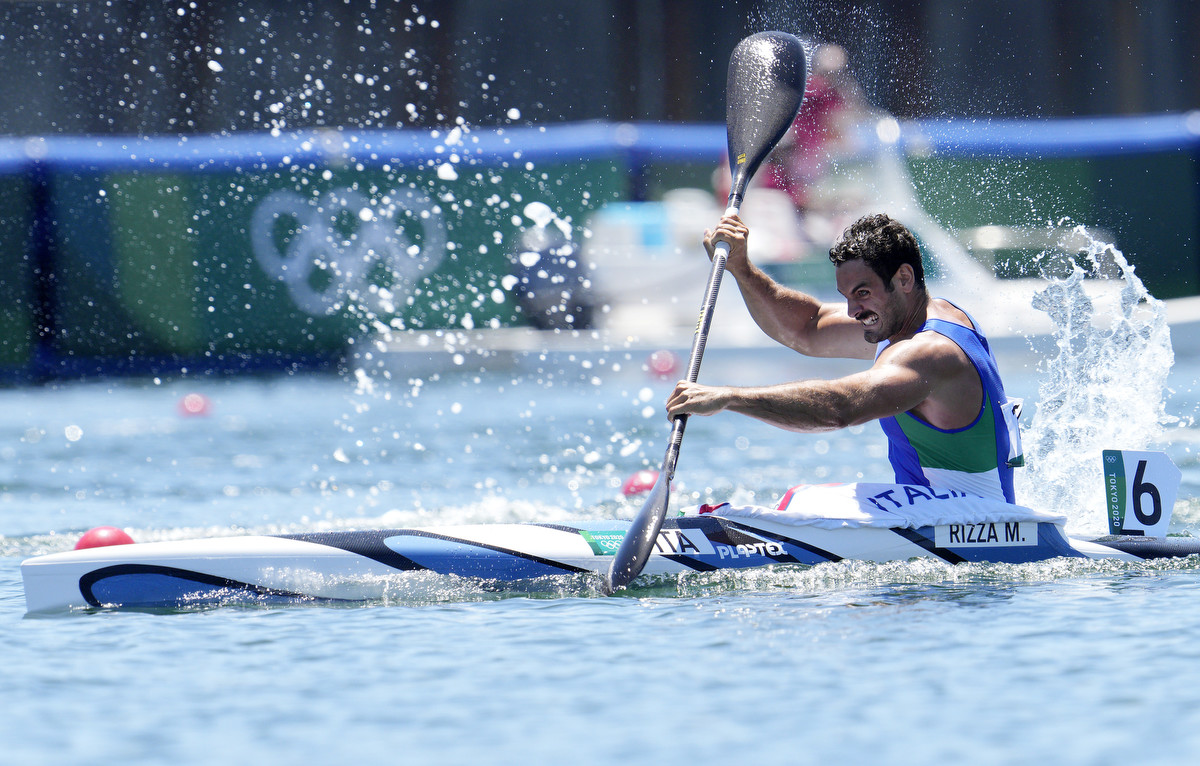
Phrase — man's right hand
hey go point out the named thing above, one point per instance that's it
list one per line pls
(731, 229)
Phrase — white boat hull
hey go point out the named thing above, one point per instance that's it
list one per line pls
(360, 566)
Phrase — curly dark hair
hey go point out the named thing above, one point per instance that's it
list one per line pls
(883, 243)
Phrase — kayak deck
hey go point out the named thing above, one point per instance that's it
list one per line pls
(355, 566)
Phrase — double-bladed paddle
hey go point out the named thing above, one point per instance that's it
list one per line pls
(763, 93)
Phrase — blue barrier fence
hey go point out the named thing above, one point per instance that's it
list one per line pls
(159, 254)
(638, 142)
(1044, 139)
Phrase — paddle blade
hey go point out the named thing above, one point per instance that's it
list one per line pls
(765, 87)
(639, 540)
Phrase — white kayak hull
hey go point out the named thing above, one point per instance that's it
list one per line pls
(358, 566)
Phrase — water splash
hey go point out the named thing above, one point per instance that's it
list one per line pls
(1104, 387)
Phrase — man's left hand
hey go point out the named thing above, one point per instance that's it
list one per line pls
(696, 399)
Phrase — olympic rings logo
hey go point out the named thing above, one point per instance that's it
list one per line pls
(342, 250)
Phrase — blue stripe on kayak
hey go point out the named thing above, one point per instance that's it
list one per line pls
(466, 558)
(695, 564)
(368, 543)
(924, 538)
(153, 585)
(799, 552)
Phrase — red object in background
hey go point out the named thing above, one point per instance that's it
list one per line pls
(195, 406)
(639, 482)
(103, 536)
(663, 364)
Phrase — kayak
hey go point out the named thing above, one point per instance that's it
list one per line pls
(357, 566)
(811, 525)
(884, 523)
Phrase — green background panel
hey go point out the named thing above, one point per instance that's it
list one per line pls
(154, 258)
(1148, 202)
(89, 318)
(16, 287)
(964, 193)
(1152, 203)
(153, 263)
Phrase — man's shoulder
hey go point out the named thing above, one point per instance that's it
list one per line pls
(943, 310)
(926, 350)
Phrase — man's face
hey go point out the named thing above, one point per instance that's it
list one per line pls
(880, 312)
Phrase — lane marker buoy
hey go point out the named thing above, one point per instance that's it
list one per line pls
(663, 364)
(195, 405)
(100, 537)
(641, 481)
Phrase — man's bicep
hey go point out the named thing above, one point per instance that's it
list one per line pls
(832, 333)
(883, 391)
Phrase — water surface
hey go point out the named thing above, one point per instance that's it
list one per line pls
(917, 662)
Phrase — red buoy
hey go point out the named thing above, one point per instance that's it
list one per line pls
(639, 482)
(663, 364)
(194, 405)
(102, 536)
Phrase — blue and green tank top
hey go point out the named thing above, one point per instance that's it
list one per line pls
(977, 459)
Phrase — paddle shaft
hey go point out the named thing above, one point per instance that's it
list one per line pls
(699, 341)
(643, 532)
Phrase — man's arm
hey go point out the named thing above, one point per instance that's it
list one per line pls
(896, 383)
(790, 317)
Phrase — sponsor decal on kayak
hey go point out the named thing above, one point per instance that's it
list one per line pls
(670, 542)
(679, 542)
(990, 534)
(745, 550)
(603, 543)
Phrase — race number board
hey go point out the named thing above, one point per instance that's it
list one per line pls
(1139, 489)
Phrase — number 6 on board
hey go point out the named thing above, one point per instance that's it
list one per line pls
(1139, 490)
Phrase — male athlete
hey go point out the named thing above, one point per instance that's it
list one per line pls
(934, 386)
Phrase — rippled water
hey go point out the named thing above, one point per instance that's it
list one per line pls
(1064, 661)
